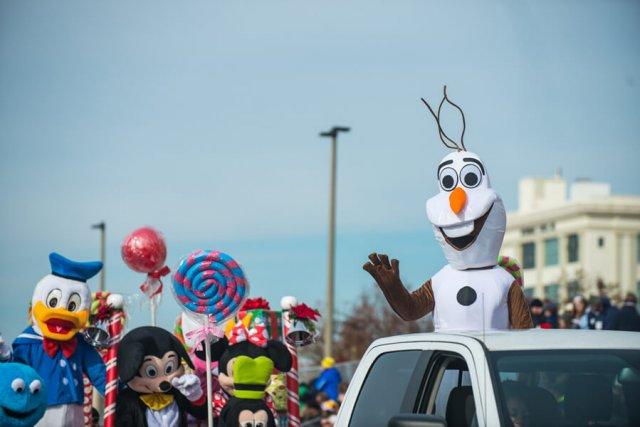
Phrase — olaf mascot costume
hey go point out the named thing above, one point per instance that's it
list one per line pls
(472, 292)
(59, 310)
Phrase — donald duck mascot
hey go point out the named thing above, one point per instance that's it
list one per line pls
(472, 292)
(59, 310)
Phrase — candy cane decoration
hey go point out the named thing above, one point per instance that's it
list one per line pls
(111, 389)
(293, 400)
(87, 404)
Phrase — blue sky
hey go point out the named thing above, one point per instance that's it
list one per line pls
(201, 119)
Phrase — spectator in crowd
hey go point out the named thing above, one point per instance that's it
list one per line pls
(610, 313)
(550, 315)
(565, 321)
(311, 411)
(329, 379)
(628, 318)
(342, 392)
(580, 316)
(537, 307)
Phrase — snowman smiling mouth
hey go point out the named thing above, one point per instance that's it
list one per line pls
(461, 236)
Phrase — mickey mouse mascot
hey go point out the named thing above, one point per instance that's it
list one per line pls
(158, 392)
(59, 310)
(472, 292)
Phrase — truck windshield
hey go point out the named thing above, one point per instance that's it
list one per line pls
(568, 387)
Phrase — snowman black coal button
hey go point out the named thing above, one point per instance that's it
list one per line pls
(466, 296)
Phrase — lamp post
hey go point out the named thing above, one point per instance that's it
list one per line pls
(98, 400)
(328, 330)
(102, 227)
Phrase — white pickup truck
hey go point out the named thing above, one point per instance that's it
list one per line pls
(501, 378)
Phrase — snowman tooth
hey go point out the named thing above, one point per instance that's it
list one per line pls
(459, 230)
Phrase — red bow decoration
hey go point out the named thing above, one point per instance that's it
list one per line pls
(256, 304)
(153, 285)
(304, 312)
(257, 335)
(51, 347)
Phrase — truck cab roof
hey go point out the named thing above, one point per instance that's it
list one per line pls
(531, 339)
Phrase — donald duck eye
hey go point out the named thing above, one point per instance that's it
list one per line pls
(448, 179)
(17, 385)
(54, 298)
(74, 302)
(35, 386)
(471, 176)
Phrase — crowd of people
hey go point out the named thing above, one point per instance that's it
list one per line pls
(596, 312)
(321, 398)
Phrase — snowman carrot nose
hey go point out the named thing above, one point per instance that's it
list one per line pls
(457, 200)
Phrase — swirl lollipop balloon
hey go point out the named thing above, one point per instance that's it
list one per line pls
(210, 283)
(212, 286)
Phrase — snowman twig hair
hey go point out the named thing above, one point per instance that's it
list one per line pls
(448, 142)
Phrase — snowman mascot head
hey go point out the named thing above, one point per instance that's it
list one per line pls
(468, 216)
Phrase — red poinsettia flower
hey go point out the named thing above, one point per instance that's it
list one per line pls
(304, 312)
(104, 313)
(256, 304)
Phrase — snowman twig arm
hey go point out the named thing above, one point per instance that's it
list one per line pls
(519, 314)
(409, 306)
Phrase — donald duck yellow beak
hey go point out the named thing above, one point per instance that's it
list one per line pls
(58, 323)
(61, 300)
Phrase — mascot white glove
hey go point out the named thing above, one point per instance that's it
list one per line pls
(189, 386)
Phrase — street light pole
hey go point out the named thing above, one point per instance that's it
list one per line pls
(98, 400)
(328, 329)
(102, 227)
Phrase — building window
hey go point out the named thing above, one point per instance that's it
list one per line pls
(572, 248)
(573, 289)
(552, 292)
(529, 292)
(551, 251)
(529, 255)
(530, 230)
(600, 242)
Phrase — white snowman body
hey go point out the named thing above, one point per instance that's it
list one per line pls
(471, 299)
(469, 222)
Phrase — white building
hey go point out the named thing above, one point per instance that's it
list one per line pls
(567, 244)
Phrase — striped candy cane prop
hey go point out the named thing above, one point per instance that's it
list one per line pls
(111, 389)
(87, 403)
(107, 307)
(293, 399)
(212, 285)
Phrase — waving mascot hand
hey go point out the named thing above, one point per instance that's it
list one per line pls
(59, 309)
(472, 292)
(158, 393)
(23, 398)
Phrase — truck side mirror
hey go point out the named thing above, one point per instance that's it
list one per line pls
(417, 420)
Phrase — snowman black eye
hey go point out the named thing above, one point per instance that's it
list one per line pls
(448, 179)
(471, 176)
